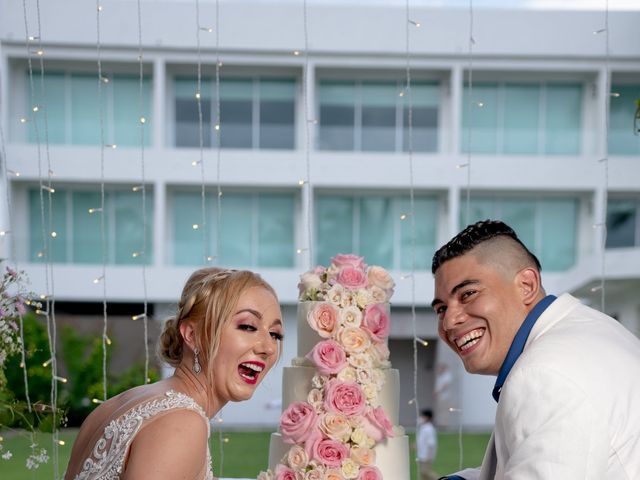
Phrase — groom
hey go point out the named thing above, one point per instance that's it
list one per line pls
(568, 376)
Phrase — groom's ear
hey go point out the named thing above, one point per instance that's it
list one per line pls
(188, 334)
(529, 285)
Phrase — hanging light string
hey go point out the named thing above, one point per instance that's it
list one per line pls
(605, 159)
(218, 252)
(412, 217)
(307, 133)
(144, 195)
(203, 208)
(49, 311)
(469, 107)
(217, 127)
(103, 240)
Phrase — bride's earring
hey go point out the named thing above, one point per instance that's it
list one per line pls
(196, 363)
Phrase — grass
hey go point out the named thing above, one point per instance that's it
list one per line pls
(244, 453)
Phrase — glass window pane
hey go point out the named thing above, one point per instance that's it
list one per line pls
(53, 102)
(187, 115)
(86, 111)
(521, 118)
(188, 242)
(425, 210)
(376, 231)
(334, 222)
(129, 232)
(87, 239)
(127, 110)
(379, 116)
(558, 237)
(479, 209)
(236, 235)
(563, 119)
(483, 120)
(622, 140)
(337, 115)
(57, 244)
(277, 113)
(236, 113)
(520, 214)
(622, 218)
(425, 101)
(275, 231)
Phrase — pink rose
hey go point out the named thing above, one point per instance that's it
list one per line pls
(352, 278)
(370, 473)
(284, 473)
(344, 397)
(323, 318)
(349, 260)
(376, 321)
(330, 452)
(328, 356)
(297, 422)
(376, 424)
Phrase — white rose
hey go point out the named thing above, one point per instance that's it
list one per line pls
(350, 469)
(363, 298)
(347, 374)
(350, 316)
(335, 294)
(378, 295)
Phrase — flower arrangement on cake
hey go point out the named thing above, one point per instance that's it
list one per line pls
(333, 433)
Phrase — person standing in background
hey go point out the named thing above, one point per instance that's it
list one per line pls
(427, 445)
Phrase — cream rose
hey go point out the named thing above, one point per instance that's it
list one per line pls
(380, 278)
(360, 360)
(350, 469)
(347, 374)
(360, 437)
(310, 283)
(297, 458)
(315, 399)
(363, 455)
(335, 426)
(323, 318)
(268, 475)
(333, 474)
(316, 474)
(319, 381)
(348, 300)
(378, 295)
(363, 298)
(354, 340)
(335, 294)
(350, 317)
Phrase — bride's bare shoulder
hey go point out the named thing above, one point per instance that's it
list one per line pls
(172, 446)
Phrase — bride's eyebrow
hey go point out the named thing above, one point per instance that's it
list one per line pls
(255, 313)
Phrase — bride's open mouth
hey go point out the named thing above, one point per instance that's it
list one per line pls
(250, 371)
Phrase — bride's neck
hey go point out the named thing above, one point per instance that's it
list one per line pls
(195, 385)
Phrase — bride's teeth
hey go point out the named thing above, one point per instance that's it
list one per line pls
(252, 366)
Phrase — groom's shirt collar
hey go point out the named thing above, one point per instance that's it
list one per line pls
(517, 346)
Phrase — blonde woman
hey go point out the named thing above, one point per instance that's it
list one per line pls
(225, 337)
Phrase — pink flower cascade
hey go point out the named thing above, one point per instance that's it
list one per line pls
(334, 432)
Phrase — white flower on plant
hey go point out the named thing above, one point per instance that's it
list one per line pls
(7, 455)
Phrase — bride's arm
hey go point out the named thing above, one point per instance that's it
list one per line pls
(171, 447)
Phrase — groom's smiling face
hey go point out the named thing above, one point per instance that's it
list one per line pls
(249, 345)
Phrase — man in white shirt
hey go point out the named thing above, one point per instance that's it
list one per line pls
(427, 445)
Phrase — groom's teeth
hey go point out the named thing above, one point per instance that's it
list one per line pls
(470, 339)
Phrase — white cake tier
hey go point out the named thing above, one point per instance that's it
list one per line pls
(392, 456)
(307, 336)
(296, 385)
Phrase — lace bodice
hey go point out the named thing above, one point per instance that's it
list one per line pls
(107, 458)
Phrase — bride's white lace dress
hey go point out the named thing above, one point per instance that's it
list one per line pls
(107, 459)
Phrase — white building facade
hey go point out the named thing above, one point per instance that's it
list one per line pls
(364, 128)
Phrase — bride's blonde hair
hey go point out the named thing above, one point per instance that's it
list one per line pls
(208, 299)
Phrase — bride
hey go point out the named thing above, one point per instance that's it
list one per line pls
(225, 337)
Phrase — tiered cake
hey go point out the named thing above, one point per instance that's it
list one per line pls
(340, 396)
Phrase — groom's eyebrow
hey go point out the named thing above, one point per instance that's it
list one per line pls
(462, 284)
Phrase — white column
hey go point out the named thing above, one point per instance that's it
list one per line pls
(160, 137)
(455, 114)
(160, 234)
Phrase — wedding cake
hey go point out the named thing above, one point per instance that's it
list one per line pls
(340, 396)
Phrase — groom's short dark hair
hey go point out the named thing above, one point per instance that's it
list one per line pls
(472, 236)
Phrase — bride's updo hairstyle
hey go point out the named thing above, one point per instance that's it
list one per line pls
(208, 300)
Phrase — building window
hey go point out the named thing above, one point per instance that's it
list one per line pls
(78, 233)
(522, 118)
(256, 229)
(377, 227)
(374, 116)
(622, 138)
(254, 113)
(547, 226)
(623, 222)
(73, 109)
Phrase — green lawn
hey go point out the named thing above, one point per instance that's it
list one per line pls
(244, 453)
